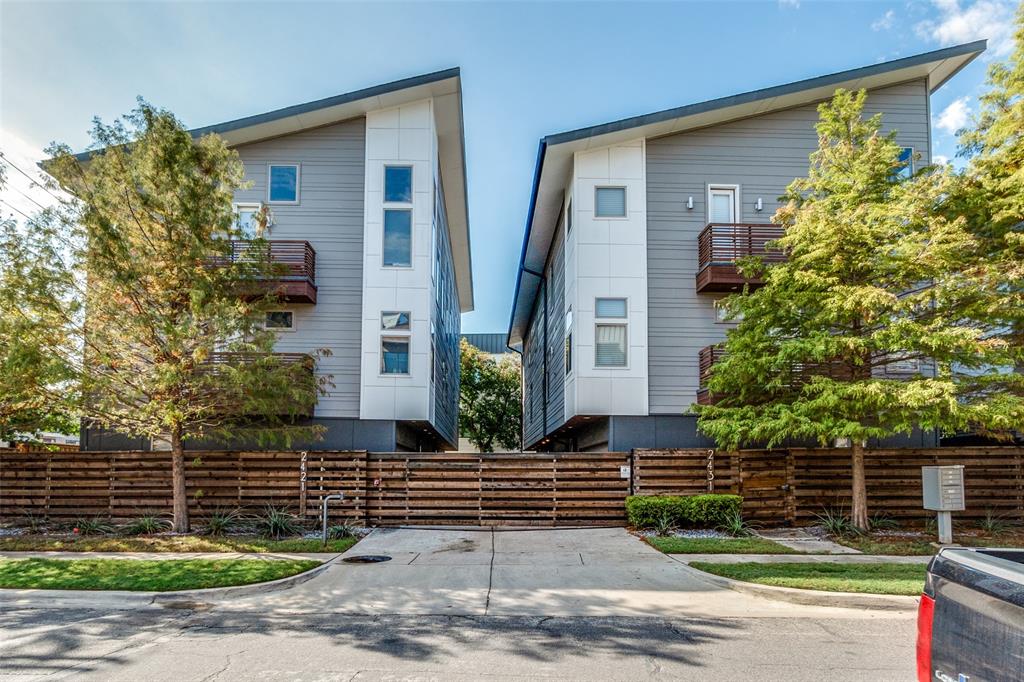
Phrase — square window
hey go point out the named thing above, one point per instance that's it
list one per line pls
(610, 307)
(280, 320)
(610, 202)
(397, 238)
(610, 345)
(283, 187)
(394, 356)
(398, 184)
(394, 320)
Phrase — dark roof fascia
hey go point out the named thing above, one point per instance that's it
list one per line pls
(541, 151)
(298, 109)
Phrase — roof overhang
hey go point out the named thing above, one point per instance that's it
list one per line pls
(444, 87)
(555, 154)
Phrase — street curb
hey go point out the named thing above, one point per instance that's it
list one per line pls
(848, 600)
(125, 599)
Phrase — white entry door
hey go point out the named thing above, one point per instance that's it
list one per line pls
(721, 204)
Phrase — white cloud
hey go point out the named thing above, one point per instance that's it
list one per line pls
(790, 4)
(955, 116)
(962, 23)
(940, 159)
(884, 22)
(21, 195)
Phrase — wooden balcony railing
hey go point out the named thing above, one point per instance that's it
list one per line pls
(294, 259)
(721, 245)
(218, 361)
(706, 358)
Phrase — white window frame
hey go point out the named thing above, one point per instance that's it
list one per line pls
(412, 234)
(737, 205)
(281, 330)
(384, 184)
(612, 322)
(407, 338)
(238, 206)
(625, 203)
(718, 317)
(298, 183)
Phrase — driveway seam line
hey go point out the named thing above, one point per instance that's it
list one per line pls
(490, 576)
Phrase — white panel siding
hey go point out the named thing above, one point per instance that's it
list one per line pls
(330, 217)
(762, 155)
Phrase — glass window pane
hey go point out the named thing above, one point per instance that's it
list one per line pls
(395, 356)
(284, 183)
(722, 206)
(610, 202)
(279, 319)
(397, 238)
(610, 343)
(905, 169)
(610, 307)
(398, 184)
(248, 226)
(394, 320)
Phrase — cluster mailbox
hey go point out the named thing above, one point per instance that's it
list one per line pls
(942, 488)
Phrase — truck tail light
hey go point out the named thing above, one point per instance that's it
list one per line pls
(925, 612)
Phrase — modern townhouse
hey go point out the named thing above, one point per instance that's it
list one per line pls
(633, 234)
(367, 197)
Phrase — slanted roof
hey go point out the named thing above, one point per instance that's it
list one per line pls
(444, 87)
(555, 152)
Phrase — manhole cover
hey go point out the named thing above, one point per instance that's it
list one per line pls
(366, 559)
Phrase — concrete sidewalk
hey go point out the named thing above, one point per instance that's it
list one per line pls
(167, 556)
(801, 558)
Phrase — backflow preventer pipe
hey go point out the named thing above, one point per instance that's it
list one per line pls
(328, 498)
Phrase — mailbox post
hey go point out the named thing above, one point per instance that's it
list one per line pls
(943, 490)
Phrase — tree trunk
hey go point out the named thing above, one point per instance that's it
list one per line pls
(180, 499)
(859, 511)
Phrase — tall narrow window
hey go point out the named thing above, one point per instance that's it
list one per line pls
(610, 202)
(246, 219)
(283, 185)
(394, 355)
(397, 238)
(905, 167)
(568, 341)
(610, 332)
(398, 184)
(568, 217)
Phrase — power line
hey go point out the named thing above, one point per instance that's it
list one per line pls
(31, 179)
(15, 208)
(28, 197)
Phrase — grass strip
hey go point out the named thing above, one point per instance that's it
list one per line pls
(144, 575)
(170, 543)
(879, 578)
(672, 545)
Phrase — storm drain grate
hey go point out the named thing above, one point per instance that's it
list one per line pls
(366, 559)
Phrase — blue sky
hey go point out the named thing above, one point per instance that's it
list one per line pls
(529, 69)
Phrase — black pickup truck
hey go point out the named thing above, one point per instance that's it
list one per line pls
(970, 622)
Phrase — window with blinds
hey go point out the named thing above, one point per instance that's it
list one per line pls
(610, 345)
(610, 202)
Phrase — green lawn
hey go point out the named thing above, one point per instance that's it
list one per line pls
(900, 579)
(169, 543)
(155, 576)
(921, 545)
(718, 546)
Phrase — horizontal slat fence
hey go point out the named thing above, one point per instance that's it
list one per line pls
(542, 489)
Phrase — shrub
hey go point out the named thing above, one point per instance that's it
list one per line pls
(223, 520)
(97, 525)
(736, 526)
(836, 522)
(146, 524)
(993, 523)
(692, 510)
(277, 523)
(665, 524)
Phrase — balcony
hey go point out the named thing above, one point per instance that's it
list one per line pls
(219, 362)
(799, 372)
(721, 245)
(294, 262)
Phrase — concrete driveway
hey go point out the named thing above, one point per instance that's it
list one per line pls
(572, 572)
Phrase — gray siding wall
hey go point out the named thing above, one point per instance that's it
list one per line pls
(555, 277)
(445, 323)
(762, 155)
(330, 217)
(533, 373)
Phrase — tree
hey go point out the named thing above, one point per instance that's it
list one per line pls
(873, 280)
(490, 404)
(27, 370)
(168, 316)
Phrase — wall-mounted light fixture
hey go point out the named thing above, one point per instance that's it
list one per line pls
(759, 205)
(689, 204)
